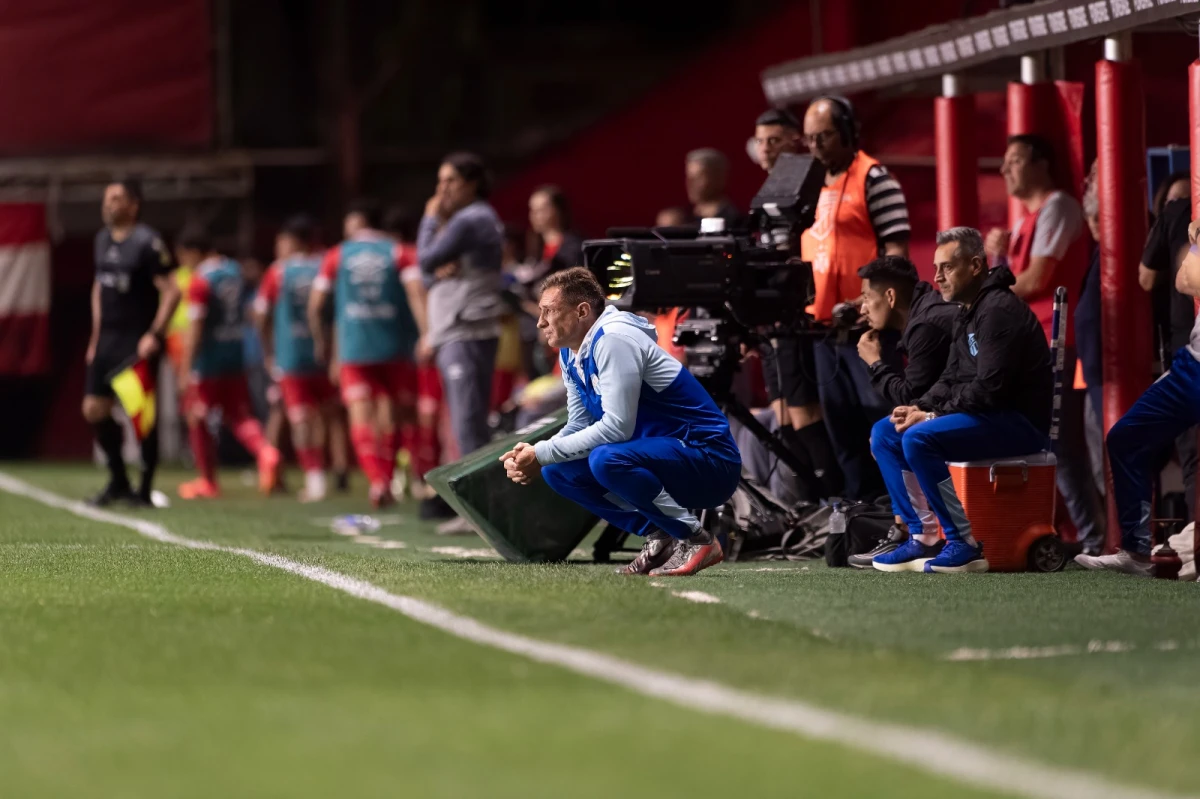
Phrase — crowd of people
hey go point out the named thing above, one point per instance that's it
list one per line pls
(372, 341)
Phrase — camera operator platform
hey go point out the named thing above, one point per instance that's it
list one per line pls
(861, 214)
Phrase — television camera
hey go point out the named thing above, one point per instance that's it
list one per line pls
(746, 286)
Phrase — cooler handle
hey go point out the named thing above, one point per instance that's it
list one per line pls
(1024, 470)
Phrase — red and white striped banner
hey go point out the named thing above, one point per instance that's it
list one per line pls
(24, 290)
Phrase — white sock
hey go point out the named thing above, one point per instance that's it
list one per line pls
(314, 483)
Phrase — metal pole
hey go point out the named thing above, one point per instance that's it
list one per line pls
(952, 85)
(224, 76)
(957, 161)
(814, 24)
(1118, 47)
(1033, 68)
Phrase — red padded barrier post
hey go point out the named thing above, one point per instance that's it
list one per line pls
(1022, 118)
(957, 162)
(1125, 309)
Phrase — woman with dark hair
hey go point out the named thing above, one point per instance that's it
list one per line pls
(550, 220)
(459, 247)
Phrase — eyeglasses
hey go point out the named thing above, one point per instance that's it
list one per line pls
(818, 139)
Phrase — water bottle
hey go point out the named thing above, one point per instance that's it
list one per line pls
(835, 545)
(354, 524)
(837, 519)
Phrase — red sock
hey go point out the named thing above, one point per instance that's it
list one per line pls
(389, 445)
(202, 450)
(311, 459)
(362, 438)
(425, 450)
(502, 387)
(248, 431)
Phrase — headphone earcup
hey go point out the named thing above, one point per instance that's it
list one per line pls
(847, 120)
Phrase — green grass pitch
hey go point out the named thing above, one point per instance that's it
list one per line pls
(130, 668)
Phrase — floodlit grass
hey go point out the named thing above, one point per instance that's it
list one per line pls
(130, 668)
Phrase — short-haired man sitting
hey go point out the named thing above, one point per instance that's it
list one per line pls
(1164, 411)
(992, 401)
(644, 442)
(895, 298)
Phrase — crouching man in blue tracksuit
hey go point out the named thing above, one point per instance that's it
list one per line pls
(992, 401)
(644, 442)
(1135, 443)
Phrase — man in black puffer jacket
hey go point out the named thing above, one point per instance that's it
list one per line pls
(992, 401)
(895, 298)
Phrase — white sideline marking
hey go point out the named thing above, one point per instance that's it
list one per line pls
(466, 552)
(979, 765)
(1066, 650)
(697, 596)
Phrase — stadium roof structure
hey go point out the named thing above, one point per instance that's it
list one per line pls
(960, 45)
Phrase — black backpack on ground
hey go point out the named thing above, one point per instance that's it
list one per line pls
(866, 524)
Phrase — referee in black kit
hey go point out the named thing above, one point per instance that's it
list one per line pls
(133, 298)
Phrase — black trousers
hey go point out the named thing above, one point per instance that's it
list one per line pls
(851, 406)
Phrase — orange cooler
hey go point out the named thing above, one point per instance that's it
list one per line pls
(1011, 502)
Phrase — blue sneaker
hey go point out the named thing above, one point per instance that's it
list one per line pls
(958, 557)
(910, 556)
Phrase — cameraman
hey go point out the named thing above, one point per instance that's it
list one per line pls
(861, 215)
(789, 366)
(894, 298)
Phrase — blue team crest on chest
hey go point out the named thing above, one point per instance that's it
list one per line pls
(972, 344)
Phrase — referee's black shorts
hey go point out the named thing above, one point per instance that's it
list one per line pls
(790, 371)
(112, 353)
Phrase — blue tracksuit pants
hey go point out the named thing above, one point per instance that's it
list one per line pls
(914, 463)
(647, 484)
(1135, 444)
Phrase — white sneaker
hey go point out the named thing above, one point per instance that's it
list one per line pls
(1120, 562)
(314, 486)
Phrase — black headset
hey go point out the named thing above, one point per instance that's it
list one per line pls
(844, 119)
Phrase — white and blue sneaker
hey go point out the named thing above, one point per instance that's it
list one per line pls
(911, 556)
(958, 557)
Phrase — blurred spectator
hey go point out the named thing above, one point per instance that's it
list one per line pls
(1173, 312)
(558, 245)
(673, 217)
(775, 131)
(459, 247)
(1161, 414)
(707, 171)
(1048, 248)
(509, 360)
(1166, 246)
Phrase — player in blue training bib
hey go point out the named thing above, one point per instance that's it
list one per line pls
(644, 445)
(379, 316)
(212, 366)
(282, 316)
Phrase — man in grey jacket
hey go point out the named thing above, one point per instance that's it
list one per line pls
(458, 249)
